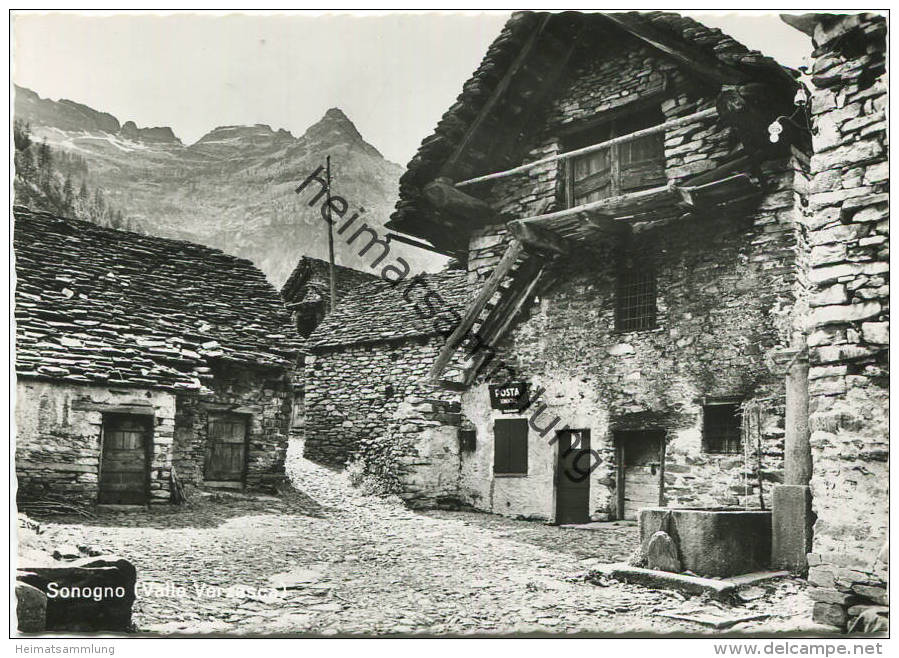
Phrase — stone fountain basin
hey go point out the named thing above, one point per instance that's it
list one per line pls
(714, 542)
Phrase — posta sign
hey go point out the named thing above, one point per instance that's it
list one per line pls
(511, 396)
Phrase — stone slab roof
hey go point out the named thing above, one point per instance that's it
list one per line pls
(309, 282)
(377, 311)
(412, 214)
(96, 305)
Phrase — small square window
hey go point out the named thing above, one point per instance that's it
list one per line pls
(635, 299)
(722, 428)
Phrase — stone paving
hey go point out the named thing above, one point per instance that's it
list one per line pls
(365, 565)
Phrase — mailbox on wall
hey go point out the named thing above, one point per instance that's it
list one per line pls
(511, 396)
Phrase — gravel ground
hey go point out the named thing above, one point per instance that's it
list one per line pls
(365, 565)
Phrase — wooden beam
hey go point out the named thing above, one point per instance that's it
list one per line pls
(450, 165)
(539, 237)
(446, 198)
(474, 309)
(494, 336)
(606, 204)
(416, 243)
(706, 67)
(652, 130)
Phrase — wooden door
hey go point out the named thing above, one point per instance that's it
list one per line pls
(124, 469)
(227, 448)
(641, 471)
(573, 477)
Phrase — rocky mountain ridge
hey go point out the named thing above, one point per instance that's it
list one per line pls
(234, 187)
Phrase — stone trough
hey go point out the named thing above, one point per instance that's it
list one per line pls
(715, 543)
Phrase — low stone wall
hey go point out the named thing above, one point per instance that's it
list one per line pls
(848, 258)
(58, 437)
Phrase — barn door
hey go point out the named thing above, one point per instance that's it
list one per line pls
(641, 471)
(124, 469)
(226, 455)
(573, 477)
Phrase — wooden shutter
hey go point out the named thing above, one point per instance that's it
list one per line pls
(592, 177)
(510, 446)
(501, 436)
(642, 161)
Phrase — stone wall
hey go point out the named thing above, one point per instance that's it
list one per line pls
(727, 289)
(265, 397)
(848, 259)
(729, 300)
(59, 430)
(373, 403)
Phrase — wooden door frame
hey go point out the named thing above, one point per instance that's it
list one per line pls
(149, 420)
(619, 464)
(557, 473)
(207, 457)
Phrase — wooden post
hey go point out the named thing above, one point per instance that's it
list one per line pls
(331, 272)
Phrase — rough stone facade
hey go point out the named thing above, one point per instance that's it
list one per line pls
(264, 398)
(606, 84)
(728, 301)
(367, 398)
(848, 273)
(59, 431)
(371, 403)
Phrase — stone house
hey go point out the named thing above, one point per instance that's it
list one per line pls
(307, 295)
(679, 261)
(367, 395)
(641, 300)
(140, 360)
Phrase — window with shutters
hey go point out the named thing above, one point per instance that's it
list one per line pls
(722, 427)
(510, 446)
(621, 168)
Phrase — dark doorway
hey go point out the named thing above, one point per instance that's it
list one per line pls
(124, 469)
(641, 471)
(573, 477)
(227, 448)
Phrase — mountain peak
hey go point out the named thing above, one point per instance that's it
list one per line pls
(334, 127)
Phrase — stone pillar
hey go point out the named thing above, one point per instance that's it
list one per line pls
(845, 261)
(791, 505)
(797, 451)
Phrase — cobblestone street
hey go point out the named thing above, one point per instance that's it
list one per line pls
(364, 565)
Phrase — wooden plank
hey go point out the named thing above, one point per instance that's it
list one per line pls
(474, 309)
(652, 130)
(497, 334)
(448, 167)
(651, 196)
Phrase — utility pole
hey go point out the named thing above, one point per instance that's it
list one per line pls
(333, 301)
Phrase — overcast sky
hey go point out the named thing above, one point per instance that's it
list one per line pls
(394, 75)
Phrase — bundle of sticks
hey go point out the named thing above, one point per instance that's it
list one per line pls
(49, 505)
